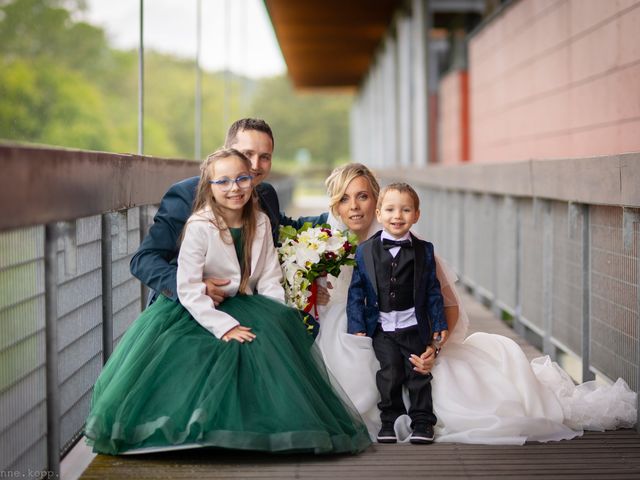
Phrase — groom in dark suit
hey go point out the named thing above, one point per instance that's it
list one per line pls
(155, 262)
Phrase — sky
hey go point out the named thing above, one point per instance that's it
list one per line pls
(235, 33)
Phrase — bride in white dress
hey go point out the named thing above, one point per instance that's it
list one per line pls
(484, 389)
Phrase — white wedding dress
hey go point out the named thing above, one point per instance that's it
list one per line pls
(484, 389)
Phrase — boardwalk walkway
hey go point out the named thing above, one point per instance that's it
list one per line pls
(609, 455)
(596, 455)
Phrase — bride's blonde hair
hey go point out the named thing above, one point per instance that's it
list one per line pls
(340, 178)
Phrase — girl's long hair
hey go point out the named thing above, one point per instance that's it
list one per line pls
(205, 200)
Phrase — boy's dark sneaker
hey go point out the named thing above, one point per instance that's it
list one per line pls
(422, 434)
(387, 434)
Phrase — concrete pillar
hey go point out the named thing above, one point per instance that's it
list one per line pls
(421, 24)
(377, 114)
(404, 91)
(390, 107)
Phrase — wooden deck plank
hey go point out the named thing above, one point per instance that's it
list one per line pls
(595, 455)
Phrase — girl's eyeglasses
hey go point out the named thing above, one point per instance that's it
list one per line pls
(225, 184)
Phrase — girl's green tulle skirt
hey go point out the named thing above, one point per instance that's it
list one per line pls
(170, 383)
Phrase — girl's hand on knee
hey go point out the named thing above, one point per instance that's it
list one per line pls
(240, 334)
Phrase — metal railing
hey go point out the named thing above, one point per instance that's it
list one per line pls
(554, 244)
(69, 222)
(551, 245)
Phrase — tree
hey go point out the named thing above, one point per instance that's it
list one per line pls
(45, 29)
(62, 84)
(45, 103)
(47, 62)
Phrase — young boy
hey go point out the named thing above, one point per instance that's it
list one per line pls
(395, 298)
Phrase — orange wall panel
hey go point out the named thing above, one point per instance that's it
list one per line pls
(552, 79)
(453, 118)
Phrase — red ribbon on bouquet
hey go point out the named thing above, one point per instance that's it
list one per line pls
(313, 299)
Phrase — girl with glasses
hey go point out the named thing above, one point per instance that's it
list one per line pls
(242, 375)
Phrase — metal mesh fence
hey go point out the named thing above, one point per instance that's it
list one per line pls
(23, 393)
(79, 326)
(531, 241)
(80, 315)
(440, 222)
(567, 276)
(506, 259)
(126, 288)
(614, 296)
(22, 351)
(480, 243)
(529, 257)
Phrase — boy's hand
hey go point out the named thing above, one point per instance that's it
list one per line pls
(214, 291)
(440, 338)
(360, 334)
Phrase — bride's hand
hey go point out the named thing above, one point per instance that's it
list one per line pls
(323, 294)
(424, 363)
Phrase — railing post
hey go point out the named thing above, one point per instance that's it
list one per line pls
(460, 196)
(583, 211)
(547, 276)
(52, 233)
(145, 220)
(518, 326)
(108, 222)
(464, 267)
(107, 286)
(638, 338)
(493, 205)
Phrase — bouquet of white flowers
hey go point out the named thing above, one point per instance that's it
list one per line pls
(311, 253)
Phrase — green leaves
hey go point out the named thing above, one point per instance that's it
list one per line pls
(61, 83)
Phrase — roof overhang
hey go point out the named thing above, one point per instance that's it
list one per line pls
(330, 43)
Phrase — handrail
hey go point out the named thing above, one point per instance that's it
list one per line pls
(44, 185)
(40, 185)
(606, 180)
(553, 244)
(57, 189)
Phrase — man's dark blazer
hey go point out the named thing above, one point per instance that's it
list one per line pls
(155, 261)
(363, 311)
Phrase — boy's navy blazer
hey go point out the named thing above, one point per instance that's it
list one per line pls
(363, 311)
(155, 262)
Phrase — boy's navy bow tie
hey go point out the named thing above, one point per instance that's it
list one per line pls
(388, 244)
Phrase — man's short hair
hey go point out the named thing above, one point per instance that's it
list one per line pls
(247, 124)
